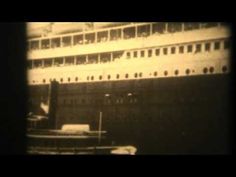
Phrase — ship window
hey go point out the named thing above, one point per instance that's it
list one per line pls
(135, 54)
(78, 39)
(207, 47)
(181, 49)
(106, 57)
(157, 52)
(102, 36)
(126, 75)
(117, 76)
(47, 62)
(94, 59)
(117, 55)
(165, 51)
(176, 72)
(68, 79)
(211, 69)
(205, 70)
(226, 44)
(34, 45)
(142, 53)
(217, 45)
(37, 63)
(187, 71)
(80, 59)
(155, 73)
(44, 80)
(165, 73)
(76, 79)
(66, 41)
(58, 61)
(136, 75)
(198, 48)
(128, 54)
(159, 28)
(190, 48)
(191, 26)
(90, 38)
(92, 77)
(224, 69)
(109, 77)
(100, 77)
(87, 77)
(140, 74)
(129, 32)
(55, 42)
(33, 81)
(209, 24)
(173, 50)
(115, 34)
(45, 44)
(69, 60)
(174, 27)
(61, 80)
(143, 31)
(149, 53)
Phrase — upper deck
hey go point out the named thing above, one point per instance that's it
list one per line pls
(124, 37)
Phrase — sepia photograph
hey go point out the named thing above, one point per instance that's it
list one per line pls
(128, 88)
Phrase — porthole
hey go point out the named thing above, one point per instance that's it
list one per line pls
(76, 79)
(205, 70)
(109, 77)
(224, 69)
(117, 76)
(126, 76)
(136, 75)
(165, 73)
(100, 77)
(176, 72)
(87, 77)
(217, 45)
(211, 69)
(165, 51)
(155, 73)
(187, 71)
(157, 52)
(68, 79)
(44, 80)
(61, 80)
(140, 74)
(92, 78)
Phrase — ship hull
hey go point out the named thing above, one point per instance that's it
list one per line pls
(175, 115)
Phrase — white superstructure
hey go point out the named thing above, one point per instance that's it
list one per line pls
(133, 51)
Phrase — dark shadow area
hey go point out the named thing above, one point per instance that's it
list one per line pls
(13, 88)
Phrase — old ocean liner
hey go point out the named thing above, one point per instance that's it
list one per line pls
(163, 87)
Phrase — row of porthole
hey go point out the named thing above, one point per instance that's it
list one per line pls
(176, 72)
(84, 101)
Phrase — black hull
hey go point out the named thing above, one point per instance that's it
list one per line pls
(166, 115)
